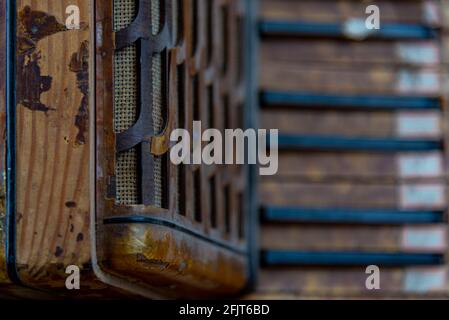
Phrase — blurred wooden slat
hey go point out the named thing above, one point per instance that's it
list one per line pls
(344, 282)
(415, 11)
(422, 53)
(352, 124)
(354, 238)
(344, 80)
(353, 195)
(393, 167)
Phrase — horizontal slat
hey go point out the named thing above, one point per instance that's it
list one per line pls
(351, 216)
(390, 239)
(312, 29)
(343, 282)
(289, 258)
(384, 124)
(345, 195)
(415, 11)
(360, 166)
(391, 53)
(374, 102)
(297, 142)
(338, 80)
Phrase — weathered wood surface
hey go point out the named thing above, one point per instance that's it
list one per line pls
(52, 163)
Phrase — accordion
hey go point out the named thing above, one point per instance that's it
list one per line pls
(90, 92)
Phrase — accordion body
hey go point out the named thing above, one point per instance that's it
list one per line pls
(87, 110)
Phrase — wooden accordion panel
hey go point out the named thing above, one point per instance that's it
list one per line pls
(90, 183)
(169, 224)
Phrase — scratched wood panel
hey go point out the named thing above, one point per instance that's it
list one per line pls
(353, 195)
(52, 142)
(361, 166)
(315, 77)
(350, 282)
(425, 53)
(425, 12)
(354, 238)
(3, 272)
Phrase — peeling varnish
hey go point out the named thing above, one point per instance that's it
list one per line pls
(32, 27)
(79, 64)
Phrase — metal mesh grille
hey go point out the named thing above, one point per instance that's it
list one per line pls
(125, 105)
(158, 120)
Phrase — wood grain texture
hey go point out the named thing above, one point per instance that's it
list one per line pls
(52, 162)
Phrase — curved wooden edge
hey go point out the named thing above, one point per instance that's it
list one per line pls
(172, 263)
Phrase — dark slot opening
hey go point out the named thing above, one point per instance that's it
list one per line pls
(213, 202)
(195, 29)
(181, 178)
(210, 94)
(180, 169)
(197, 196)
(240, 45)
(196, 99)
(227, 208)
(241, 213)
(180, 22)
(209, 27)
(227, 112)
(225, 37)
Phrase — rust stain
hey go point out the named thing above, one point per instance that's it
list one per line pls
(33, 26)
(79, 64)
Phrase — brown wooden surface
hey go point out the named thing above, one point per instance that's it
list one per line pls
(415, 11)
(425, 52)
(353, 180)
(353, 238)
(320, 78)
(344, 283)
(353, 166)
(355, 124)
(53, 144)
(339, 195)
